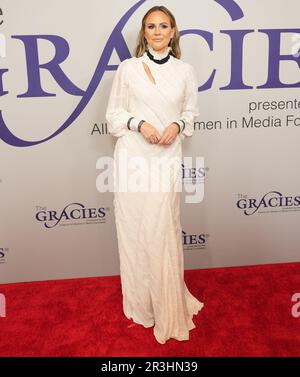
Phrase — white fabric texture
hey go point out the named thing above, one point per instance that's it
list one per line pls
(148, 224)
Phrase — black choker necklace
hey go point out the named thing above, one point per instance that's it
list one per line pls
(158, 61)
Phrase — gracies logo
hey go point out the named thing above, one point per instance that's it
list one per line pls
(117, 43)
(270, 202)
(74, 213)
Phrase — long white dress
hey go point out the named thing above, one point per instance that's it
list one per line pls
(148, 224)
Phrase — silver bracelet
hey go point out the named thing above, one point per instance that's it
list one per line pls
(128, 122)
(178, 125)
(140, 124)
(183, 124)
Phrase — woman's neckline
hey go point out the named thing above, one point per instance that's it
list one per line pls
(165, 57)
(159, 55)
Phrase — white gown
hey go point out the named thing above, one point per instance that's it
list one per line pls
(148, 223)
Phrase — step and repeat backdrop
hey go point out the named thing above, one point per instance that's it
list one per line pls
(240, 171)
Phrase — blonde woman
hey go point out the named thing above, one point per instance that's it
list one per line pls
(151, 108)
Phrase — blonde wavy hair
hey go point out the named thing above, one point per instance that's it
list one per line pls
(141, 40)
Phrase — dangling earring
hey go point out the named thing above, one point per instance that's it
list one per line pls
(146, 43)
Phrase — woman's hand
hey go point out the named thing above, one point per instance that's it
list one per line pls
(150, 133)
(169, 134)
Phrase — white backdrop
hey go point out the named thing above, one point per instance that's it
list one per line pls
(54, 85)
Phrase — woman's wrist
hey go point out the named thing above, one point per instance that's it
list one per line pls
(180, 124)
(134, 124)
(140, 125)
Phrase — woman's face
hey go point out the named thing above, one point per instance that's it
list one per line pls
(158, 31)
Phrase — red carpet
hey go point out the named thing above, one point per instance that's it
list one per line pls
(247, 312)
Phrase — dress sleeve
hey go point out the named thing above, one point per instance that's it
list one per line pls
(190, 104)
(117, 115)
